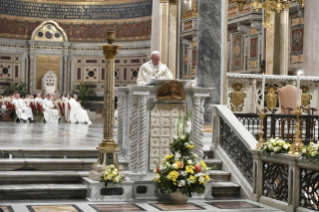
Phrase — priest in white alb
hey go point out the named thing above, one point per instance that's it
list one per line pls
(51, 115)
(23, 112)
(153, 69)
(77, 113)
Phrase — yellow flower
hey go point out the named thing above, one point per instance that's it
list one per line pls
(203, 164)
(192, 179)
(105, 178)
(190, 146)
(167, 157)
(173, 175)
(275, 143)
(190, 169)
(207, 178)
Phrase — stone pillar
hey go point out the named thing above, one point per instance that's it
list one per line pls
(284, 41)
(198, 125)
(270, 41)
(257, 25)
(110, 51)
(212, 50)
(120, 123)
(245, 30)
(65, 73)
(253, 96)
(32, 56)
(156, 27)
(310, 48)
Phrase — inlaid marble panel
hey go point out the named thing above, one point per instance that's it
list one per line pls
(6, 208)
(163, 121)
(117, 207)
(176, 207)
(54, 208)
(232, 205)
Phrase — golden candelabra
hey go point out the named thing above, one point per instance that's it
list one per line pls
(297, 145)
(261, 141)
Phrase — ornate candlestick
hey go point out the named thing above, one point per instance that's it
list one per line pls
(107, 149)
(262, 115)
(297, 145)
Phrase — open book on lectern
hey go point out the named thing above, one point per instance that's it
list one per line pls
(160, 82)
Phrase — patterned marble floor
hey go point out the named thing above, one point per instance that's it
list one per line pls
(240, 205)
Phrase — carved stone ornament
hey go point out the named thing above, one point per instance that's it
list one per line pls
(237, 98)
(110, 51)
(271, 98)
(305, 96)
(171, 90)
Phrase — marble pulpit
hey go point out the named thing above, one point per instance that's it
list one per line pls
(146, 125)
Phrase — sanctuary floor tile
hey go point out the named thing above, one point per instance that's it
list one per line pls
(233, 205)
(54, 208)
(176, 207)
(116, 207)
(6, 208)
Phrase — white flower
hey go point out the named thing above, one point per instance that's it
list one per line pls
(177, 156)
(154, 171)
(277, 138)
(315, 147)
(188, 127)
(195, 155)
(175, 137)
(163, 160)
(183, 173)
(189, 161)
(174, 166)
(111, 166)
(286, 146)
(167, 164)
(162, 168)
(304, 151)
(117, 179)
(272, 140)
(181, 183)
(270, 147)
(109, 177)
(314, 153)
(201, 179)
(115, 172)
(182, 137)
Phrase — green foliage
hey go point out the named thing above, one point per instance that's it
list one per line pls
(84, 90)
(182, 169)
(12, 87)
(275, 145)
(310, 153)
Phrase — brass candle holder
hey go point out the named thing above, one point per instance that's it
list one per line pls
(261, 141)
(297, 145)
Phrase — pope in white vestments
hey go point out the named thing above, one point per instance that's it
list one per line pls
(23, 112)
(51, 115)
(153, 69)
(77, 113)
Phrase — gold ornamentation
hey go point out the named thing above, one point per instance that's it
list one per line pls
(190, 13)
(171, 90)
(240, 4)
(261, 141)
(305, 96)
(237, 98)
(271, 98)
(173, 2)
(297, 144)
(269, 6)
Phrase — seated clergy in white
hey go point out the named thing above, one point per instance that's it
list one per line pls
(38, 98)
(23, 112)
(153, 69)
(77, 113)
(51, 115)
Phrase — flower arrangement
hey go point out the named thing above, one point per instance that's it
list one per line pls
(310, 152)
(112, 175)
(275, 145)
(182, 169)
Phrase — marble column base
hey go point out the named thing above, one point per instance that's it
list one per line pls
(95, 190)
(97, 173)
(208, 190)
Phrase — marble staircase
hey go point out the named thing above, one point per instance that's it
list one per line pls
(56, 174)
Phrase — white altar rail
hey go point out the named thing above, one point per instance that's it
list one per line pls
(251, 87)
(135, 104)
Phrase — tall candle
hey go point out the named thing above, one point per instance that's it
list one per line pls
(298, 90)
(263, 92)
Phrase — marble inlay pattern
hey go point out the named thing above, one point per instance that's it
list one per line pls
(176, 207)
(116, 207)
(232, 205)
(54, 208)
(6, 208)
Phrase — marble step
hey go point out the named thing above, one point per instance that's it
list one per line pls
(31, 177)
(50, 164)
(47, 152)
(213, 162)
(219, 175)
(225, 189)
(43, 191)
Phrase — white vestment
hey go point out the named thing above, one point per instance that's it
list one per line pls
(148, 71)
(50, 115)
(22, 111)
(77, 113)
(37, 99)
(66, 110)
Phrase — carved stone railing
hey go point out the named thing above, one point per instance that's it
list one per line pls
(279, 180)
(233, 142)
